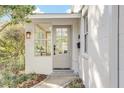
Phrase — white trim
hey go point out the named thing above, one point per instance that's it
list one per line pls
(55, 16)
(113, 46)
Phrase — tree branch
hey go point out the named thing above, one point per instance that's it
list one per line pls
(4, 26)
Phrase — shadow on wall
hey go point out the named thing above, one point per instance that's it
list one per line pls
(98, 62)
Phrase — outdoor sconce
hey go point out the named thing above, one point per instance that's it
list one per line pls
(28, 35)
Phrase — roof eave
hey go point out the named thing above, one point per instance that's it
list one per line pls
(41, 16)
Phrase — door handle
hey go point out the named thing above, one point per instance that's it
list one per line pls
(54, 48)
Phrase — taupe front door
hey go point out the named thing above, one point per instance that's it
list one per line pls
(62, 47)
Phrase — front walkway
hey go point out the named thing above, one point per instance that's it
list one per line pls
(58, 79)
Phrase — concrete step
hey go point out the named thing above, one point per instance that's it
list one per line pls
(63, 73)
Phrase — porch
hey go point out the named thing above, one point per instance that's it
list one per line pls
(51, 43)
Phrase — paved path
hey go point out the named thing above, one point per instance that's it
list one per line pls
(56, 80)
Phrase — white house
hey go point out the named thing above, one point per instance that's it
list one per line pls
(52, 43)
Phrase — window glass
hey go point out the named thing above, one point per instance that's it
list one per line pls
(42, 43)
(61, 40)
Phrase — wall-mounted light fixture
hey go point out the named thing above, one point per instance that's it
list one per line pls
(28, 35)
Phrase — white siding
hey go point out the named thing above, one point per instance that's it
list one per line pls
(95, 70)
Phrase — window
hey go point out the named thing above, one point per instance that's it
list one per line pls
(42, 42)
(86, 33)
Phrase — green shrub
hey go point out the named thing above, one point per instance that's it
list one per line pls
(77, 83)
(12, 80)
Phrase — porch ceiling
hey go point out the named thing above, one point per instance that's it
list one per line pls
(44, 26)
(55, 16)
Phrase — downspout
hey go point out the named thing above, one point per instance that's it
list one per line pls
(118, 47)
(81, 8)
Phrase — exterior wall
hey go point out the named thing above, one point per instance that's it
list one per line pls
(44, 65)
(95, 66)
(121, 46)
(75, 53)
(35, 64)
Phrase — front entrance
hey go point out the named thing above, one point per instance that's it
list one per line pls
(62, 47)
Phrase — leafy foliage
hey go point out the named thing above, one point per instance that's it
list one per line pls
(77, 83)
(12, 41)
(13, 80)
(12, 45)
(16, 13)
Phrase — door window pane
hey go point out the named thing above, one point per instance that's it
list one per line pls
(61, 40)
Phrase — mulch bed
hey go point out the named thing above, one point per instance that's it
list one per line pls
(31, 83)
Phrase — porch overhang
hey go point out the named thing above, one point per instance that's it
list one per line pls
(44, 16)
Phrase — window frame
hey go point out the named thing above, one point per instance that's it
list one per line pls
(41, 40)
